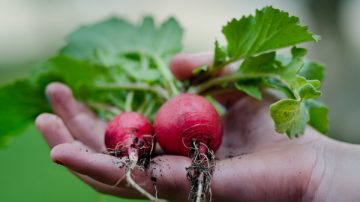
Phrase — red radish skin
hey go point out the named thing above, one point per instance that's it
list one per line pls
(126, 135)
(189, 125)
(185, 118)
(126, 131)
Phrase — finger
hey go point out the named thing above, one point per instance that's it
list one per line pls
(53, 129)
(81, 122)
(107, 189)
(182, 65)
(169, 171)
(77, 157)
(55, 133)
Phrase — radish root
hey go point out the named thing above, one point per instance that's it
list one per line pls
(133, 160)
(200, 188)
(133, 157)
(200, 172)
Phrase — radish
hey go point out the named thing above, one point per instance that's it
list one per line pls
(130, 134)
(189, 125)
(127, 133)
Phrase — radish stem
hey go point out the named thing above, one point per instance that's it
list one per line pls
(232, 78)
(167, 75)
(128, 102)
(104, 107)
(159, 91)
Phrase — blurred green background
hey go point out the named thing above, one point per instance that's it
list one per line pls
(32, 30)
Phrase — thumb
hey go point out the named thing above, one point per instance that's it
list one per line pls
(182, 66)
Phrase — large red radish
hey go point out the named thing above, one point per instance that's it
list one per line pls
(189, 125)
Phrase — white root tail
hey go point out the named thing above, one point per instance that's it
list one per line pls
(200, 188)
(133, 157)
(200, 172)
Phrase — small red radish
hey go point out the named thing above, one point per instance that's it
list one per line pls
(128, 132)
(130, 135)
(189, 125)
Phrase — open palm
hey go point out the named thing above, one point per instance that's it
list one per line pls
(254, 163)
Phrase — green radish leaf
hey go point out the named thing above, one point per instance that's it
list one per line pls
(107, 39)
(318, 115)
(315, 83)
(220, 55)
(290, 117)
(118, 43)
(272, 72)
(251, 90)
(198, 70)
(313, 70)
(105, 62)
(83, 77)
(308, 91)
(303, 88)
(71, 71)
(139, 74)
(264, 63)
(168, 39)
(297, 52)
(278, 86)
(20, 101)
(268, 30)
(291, 69)
(103, 42)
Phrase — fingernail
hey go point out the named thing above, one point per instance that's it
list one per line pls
(59, 162)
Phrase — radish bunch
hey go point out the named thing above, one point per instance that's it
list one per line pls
(185, 125)
(117, 66)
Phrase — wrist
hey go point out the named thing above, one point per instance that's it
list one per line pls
(336, 174)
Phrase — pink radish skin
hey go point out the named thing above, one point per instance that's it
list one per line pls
(124, 129)
(186, 118)
(189, 125)
(131, 135)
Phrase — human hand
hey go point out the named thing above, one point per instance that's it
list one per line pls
(254, 162)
